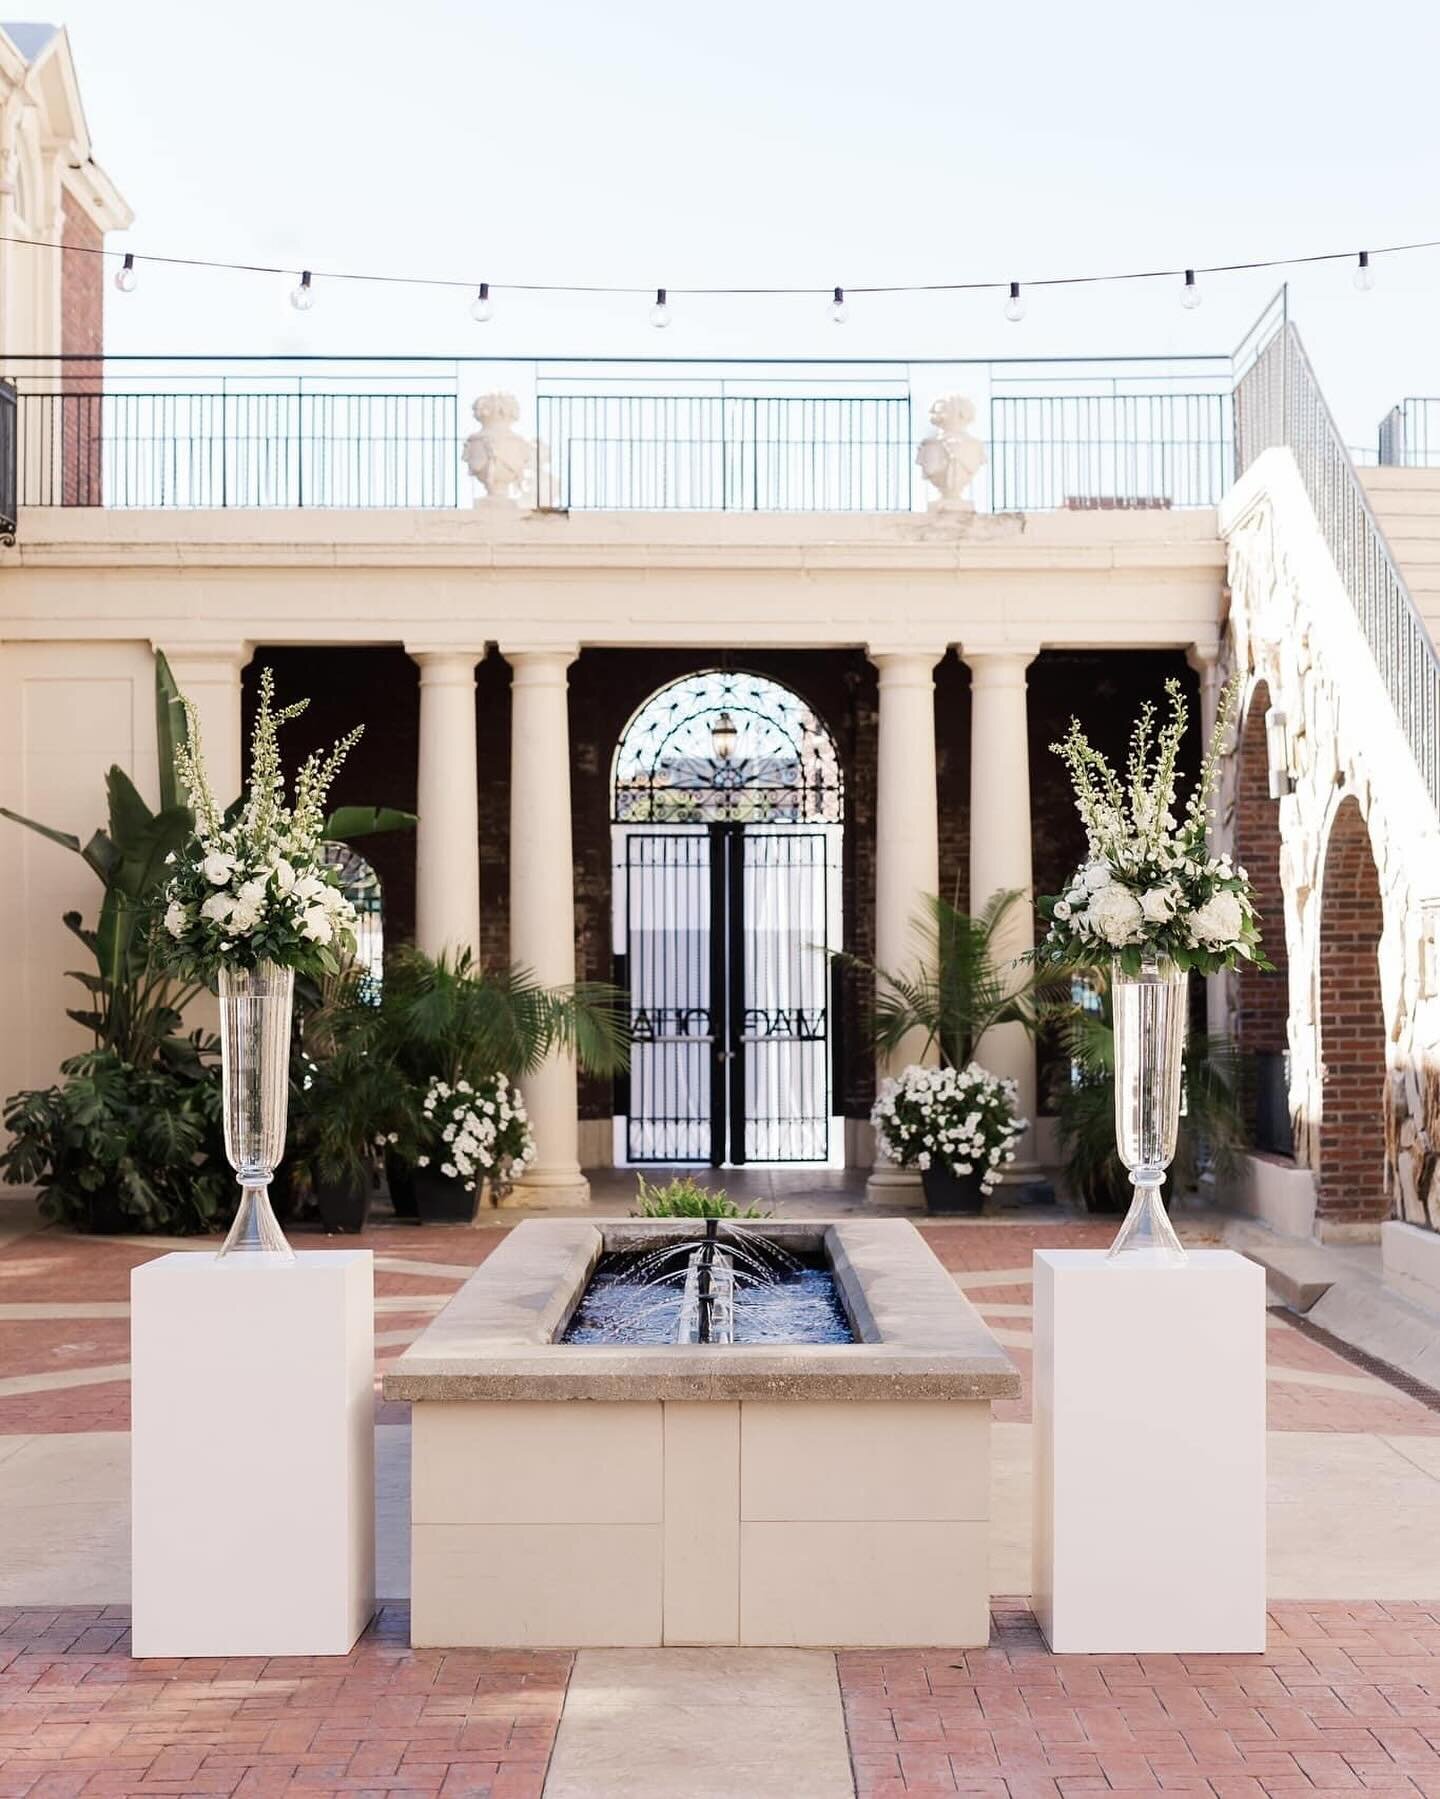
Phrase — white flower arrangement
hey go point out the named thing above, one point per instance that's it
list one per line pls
(1149, 889)
(477, 1132)
(251, 887)
(960, 1119)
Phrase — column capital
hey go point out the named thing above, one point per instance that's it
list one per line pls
(223, 657)
(1204, 658)
(539, 665)
(444, 665)
(999, 665)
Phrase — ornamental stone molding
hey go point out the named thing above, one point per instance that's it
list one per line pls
(1296, 644)
(952, 456)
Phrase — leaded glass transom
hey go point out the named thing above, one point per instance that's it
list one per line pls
(722, 747)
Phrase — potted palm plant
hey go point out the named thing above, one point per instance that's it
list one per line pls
(459, 1037)
(956, 1122)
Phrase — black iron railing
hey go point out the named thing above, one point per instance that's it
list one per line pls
(8, 469)
(1278, 403)
(1409, 435)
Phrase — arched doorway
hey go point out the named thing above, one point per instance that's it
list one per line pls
(361, 886)
(727, 809)
(1351, 1173)
(1263, 997)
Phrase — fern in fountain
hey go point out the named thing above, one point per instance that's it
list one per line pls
(251, 887)
(1149, 890)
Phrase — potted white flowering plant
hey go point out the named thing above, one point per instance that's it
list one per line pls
(474, 1134)
(956, 1125)
(1151, 898)
(251, 901)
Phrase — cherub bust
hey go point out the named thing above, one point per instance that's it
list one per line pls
(951, 457)
(499, 458)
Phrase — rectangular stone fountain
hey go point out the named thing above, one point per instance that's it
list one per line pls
(610, 1492)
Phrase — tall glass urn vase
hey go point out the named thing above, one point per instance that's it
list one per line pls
(1149, 1013)
(255, 1005)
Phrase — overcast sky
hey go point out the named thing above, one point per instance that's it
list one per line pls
(776, 142)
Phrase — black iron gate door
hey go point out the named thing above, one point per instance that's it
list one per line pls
(730, 980)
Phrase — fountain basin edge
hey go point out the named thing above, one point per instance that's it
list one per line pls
(596, 1494)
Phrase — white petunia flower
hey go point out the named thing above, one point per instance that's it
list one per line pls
(217, 868)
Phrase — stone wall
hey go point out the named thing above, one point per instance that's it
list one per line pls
(1359, 861)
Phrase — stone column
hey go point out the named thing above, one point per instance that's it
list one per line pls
(1204, 658)
(542, 902)
(208, 675)
(447, 837)
(1000, 857)
(907, 845)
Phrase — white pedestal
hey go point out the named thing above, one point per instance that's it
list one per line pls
(1149, 1453)
(253, 1445)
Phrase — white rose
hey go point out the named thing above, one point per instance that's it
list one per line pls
(1116, 915)
(217, 868)
(1158, 904)
(1062, 909)
(1096, 876)
(217, 908)
(243, 920)
(176, 918)
(1218, 922)
(315, 923)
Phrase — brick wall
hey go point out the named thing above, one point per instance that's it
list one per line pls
(82, 307)
(1262, 999)
(1352, 1028)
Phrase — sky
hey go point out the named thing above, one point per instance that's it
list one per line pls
(775, 142)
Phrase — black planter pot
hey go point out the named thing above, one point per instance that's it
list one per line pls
(344, 1206)
(108, 1216)
(400, 1179)
(956, 1194)
(441, 1200)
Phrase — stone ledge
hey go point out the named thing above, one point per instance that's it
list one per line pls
(918, 1336)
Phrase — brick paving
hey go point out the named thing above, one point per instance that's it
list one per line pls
(77, 1715)
(1346, 1698)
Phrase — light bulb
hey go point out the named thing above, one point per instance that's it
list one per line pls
(839, 311)
(1014, 306)
(302, 298)
(125, 276)
(482, 308)
(660, 311)
(1190, 294)
(1364, 276)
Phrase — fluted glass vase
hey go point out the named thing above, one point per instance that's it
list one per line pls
(255, 1006)
(1149, 1012)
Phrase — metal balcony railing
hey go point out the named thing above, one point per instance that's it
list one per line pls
(7, 462)
(1409, 435)
(643, 434)
(1278, 402)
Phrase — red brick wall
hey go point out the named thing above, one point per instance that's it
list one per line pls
(1263, 999)
(82, 288)
(1352, 1028)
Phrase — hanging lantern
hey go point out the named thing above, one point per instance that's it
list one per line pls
(722, 735)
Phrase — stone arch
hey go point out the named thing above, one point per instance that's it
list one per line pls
(1262, 999)
(1350, 1175)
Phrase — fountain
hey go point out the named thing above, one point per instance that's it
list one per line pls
(663, 1431)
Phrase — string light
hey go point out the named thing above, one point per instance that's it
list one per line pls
(839, 311)
(302, 298)
(125, 276)
(482, 308)
(1014, 306)
(1364, 276)
(1190, 294)
(660, 311)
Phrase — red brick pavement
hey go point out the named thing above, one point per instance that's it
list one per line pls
(1346, 1698)
(77, 1715)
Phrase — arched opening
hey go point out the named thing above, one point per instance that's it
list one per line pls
(361, 886)
(1351, 1172)
(1263, 998)
(727, 809)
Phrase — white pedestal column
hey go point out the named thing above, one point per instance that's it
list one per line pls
(253, 1444)
(1149, 1454)
(907, 848)
(1000, 855)
(447, 837)
(542, 903)
(208, 675)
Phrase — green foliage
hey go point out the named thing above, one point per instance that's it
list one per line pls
(447, 1018)
(686, 1198)
(346, 1095)
(1212, 1128)
(116, 1147)
(960, 987)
